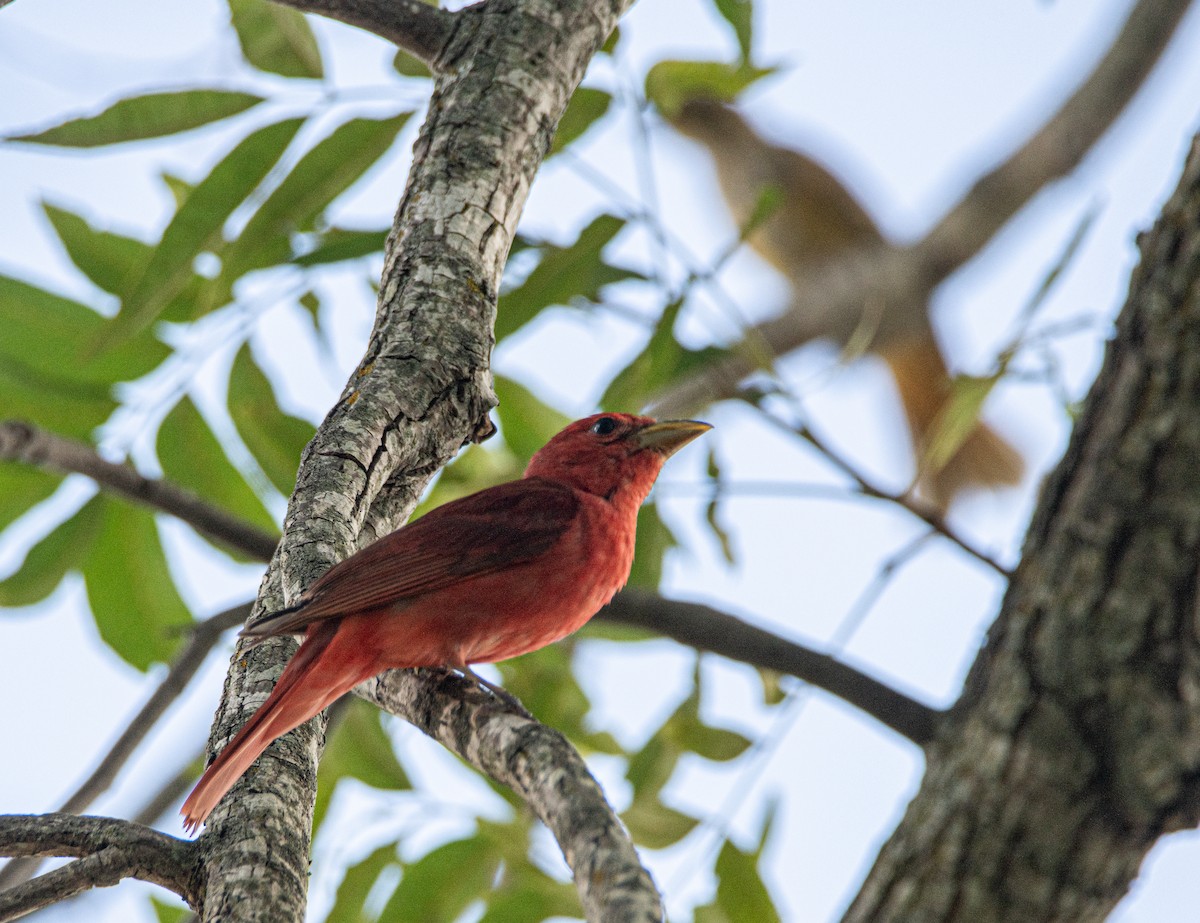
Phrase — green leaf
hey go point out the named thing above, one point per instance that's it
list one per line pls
(52, 558)
(663, 361)
(526, 893)
(717, 744)
(110, 260)
(653, 541)
(473, 470)
(357, 884)
(179, 188)
(669, 84)
(276, 39)
(331, 167)
(713, 508)
(153, 115)
(48, 372)
(135, 604)
(544, 681)
(654, 825)
(192, 457)
(408, 66)
(197, 224)
(359, 748)
(275, 438)
(956, 420)
(443, 883)
(651, 767)
(527, 422)
(169, 913)
(586, 107)
(21, 489)
(741, 894)
(739, 14)
(53, 336)
(565, 275)
(339, 244)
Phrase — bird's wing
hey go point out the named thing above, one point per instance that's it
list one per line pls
(497, 528)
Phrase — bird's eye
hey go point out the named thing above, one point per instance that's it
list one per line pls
(604, 426)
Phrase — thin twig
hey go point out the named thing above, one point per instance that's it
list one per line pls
(108, 849)
(420, 29)
(927, 514)
(23, 442)
(204, 637)
(708, 629)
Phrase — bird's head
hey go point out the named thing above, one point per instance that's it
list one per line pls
(606, 452)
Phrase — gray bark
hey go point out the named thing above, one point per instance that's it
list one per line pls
(1076, 744)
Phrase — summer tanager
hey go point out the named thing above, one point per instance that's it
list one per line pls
(812, 220)
(498, 573)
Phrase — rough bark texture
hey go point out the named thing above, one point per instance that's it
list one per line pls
(422, 390)
(1077, 741)
(539, 765)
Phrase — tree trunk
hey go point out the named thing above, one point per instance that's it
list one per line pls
(1076, 743)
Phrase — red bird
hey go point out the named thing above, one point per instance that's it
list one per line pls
(499, 573)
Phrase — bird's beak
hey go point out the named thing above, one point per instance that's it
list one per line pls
(669, 436)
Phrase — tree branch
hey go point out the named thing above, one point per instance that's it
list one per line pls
(541, 766)
(109, 850)
(23, 442)
(892, 284)
(204, 637)
(708, 629)
(420, 29)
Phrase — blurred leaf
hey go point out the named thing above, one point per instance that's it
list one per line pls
(716, 744)
(610, 43)
(443, 883)
(654, 825)
(179, 187)
(741, 895)
(276, 39)
(773, 691)
(586, 106)
(274, 438)
(150, 116)
(651, 767)
(52, 558)
(169, 913)
(198, 222)
(526, 421)
(544, 681)
(53, 335)
(47, 373)
(338, 244)
(564, 276)
(956, 420)
(110, 260)
(474, 469)
(137, 609)
(359, 748)
(528, 894)
(711, 511)
(192, 457)
(331, 167)
(407, 66)
(662, 361)
(22, 488)
(357, 884)
(739, 14)
(669, 84)
(654, 539)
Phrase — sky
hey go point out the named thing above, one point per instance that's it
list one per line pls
(908, 105)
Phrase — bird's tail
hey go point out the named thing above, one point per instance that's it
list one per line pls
(984, 459)
(313, 679)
